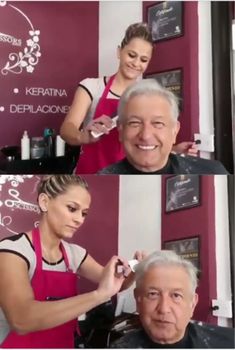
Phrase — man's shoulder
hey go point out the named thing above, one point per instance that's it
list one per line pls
(196, 165)
(116, 168)
(213, 336)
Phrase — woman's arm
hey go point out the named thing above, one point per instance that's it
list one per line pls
(69, 130)
(24, 314)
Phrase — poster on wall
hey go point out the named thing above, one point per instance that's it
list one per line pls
(182, 191)
(165, 20)
(172, 81)
(187, 248)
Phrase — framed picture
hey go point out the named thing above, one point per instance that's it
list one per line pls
(188, 248)
(165, 20)
(182, 191)
(172, 81)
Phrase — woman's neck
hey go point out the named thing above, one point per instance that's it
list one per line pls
(50, 244)
(120, 83)
(48, 239)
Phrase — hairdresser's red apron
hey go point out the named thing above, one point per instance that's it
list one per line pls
(107, 150)
(48, 285)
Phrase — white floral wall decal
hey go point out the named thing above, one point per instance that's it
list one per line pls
(28, 58)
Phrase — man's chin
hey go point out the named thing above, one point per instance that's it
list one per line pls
(163, 339)
(145, 165)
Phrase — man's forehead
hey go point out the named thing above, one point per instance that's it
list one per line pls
(166, 273)
(148, 103)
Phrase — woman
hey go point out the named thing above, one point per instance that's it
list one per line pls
(38, 271)
(96, 100)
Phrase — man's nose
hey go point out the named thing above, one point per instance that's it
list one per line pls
(146, 132)
(163, 305)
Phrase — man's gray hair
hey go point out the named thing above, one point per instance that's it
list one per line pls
(165, 258)
(147, 87)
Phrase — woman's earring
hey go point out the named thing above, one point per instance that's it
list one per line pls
(44, 210)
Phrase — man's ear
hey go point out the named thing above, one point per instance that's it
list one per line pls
(137, 299)
(43, 201)
(194, 302)
(118, 51)
(120, 129)
(176, 131)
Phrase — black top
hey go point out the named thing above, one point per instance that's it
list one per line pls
(197, 335)
(177, 164)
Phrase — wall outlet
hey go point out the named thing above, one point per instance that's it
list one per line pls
(223, 308)
(206, 142)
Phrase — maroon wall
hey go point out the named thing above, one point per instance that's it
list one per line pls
(99, 234)
(181, 52)
(68, 43)
(191, 222)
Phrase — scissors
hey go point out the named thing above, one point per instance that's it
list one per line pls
(15, 194)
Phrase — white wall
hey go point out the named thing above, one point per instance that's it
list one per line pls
(223, 269)
(233, 92)
(139, 220)
(206, 123)
(115, 17)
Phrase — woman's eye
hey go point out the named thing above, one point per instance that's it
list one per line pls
(132, 55)
(84, 213)
(71, 209)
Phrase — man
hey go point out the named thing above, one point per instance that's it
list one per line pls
(166, 299)
(148, 127)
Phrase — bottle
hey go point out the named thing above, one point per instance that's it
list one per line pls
(60, 146)
(25, 146)
(49, 142)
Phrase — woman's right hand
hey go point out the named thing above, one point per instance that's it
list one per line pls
(102, 124)
(111, 281)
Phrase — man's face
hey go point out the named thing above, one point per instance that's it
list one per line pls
(165, 303)
(148, 132)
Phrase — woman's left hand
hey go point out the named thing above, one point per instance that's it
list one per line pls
(188, 147)
(140, 255)
(129, 274)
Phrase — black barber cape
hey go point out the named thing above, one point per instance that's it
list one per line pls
(177, 164)
(197, 335)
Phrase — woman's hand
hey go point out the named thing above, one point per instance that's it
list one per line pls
(188, 147)
(102, 124)
(130, 275)
(111, 281)
(140, 255)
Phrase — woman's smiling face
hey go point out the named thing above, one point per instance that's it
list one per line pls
(134, 58)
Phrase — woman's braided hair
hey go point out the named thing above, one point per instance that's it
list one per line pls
(54, 185)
